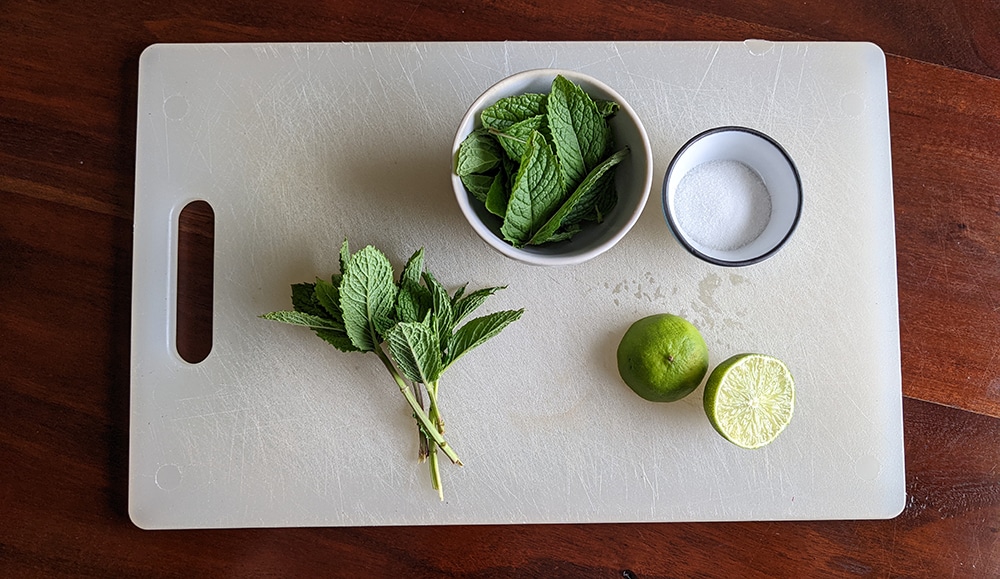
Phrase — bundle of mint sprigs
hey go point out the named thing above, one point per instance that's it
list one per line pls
(543, 163)
(363, 308)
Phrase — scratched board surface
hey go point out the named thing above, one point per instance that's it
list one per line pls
(297, 146)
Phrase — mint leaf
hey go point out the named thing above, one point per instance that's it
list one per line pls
(440, 300)
(584, 195)
(414, 347)
(513, 109)
(367, 298)
(329, 330)
(466, 305)
(414, 268)
(478, 185)
(514, 138)
(345, 256)
(565, 233)
(458, 295)
(328, 295)
(303, 319)
(497, 196)
(509, 168)
(601, 198)
(304, 300)
(412, 302)
(338, 340)
(578, 129)
(441, 312)
(477, 331)
(607, 108)
(605, 201)
(536, 193)
(478, 153)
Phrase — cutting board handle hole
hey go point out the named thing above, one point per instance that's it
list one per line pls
(195, 284)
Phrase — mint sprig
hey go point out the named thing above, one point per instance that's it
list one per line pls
(543, 163)
(364, 309)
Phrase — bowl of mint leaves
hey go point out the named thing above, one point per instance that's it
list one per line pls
(551, 167)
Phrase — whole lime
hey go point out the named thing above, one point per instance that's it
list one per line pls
(662, 357)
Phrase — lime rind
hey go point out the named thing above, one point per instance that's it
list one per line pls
(662, 358)
(749, 399)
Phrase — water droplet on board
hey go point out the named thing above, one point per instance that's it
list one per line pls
(867, 467)
(168, 477)
(706, 290)
(175, 107)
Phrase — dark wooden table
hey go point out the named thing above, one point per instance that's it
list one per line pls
(68, 73)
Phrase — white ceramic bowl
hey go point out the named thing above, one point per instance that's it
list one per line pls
(633, 176)
(769, 192)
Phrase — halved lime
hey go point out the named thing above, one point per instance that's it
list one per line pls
(749, 399)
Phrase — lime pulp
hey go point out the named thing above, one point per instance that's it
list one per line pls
(749, 399)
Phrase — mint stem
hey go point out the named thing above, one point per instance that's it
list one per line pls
(423, 450)
(433, 413)
(428, 426)
(435, 472)
(435, 417)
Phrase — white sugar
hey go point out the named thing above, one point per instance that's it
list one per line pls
(722, 205)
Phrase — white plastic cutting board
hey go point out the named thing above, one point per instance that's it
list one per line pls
(296, 146)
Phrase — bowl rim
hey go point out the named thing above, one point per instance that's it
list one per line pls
(674, 228)
(494, 93)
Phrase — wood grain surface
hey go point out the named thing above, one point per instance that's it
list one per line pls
(68, 73)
